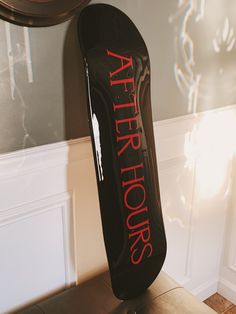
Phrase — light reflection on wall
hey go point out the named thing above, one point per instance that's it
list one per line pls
(23, 55)
(224, 38)
(187, 79)
(212, 145)
(204, 53)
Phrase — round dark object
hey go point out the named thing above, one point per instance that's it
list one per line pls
(39, 12)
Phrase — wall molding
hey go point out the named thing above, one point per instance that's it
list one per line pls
(227, 281)
(68, 163)
(27, 210)
(166, 169)
(233, 267)
(207, 289)
(198, 115)
(171, 134)
(69, 241)
(231, 233)
(227, 289)
(63, 203)
(50, 155)
(29, 160)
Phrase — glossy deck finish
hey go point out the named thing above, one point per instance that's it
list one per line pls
(118, 79)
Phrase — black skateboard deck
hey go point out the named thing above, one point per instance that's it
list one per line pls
(119, 105)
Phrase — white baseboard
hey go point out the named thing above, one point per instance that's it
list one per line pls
(227, 290)
(206, 290)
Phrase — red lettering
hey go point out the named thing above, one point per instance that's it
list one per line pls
(133, 180)
(134, 170)
(129, 140)
(128, 105)
(122, 60)
(129, 190)
(135, 214)
(128, 121)
(142, 235)
(125, 82)
(138, 260)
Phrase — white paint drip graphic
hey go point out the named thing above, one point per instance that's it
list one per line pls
(96, 130)
(96, 134)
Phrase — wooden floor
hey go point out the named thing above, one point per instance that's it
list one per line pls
(220, 304)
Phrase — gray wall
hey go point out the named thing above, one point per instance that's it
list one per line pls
(192, 51)
(41, 90)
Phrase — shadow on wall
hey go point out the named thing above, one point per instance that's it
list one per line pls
(81, 179)
(76, 117)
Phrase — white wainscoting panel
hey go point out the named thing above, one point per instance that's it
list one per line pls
(176, 182)
(227, 284)
(195, 160)
(36, 250)
(50, 225)
(37, 243)
(91, 256)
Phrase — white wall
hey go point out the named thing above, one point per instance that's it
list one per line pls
(50, 231)
(50, 228)
(227, 284)
(195, 160)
